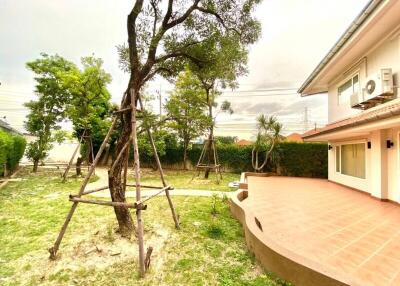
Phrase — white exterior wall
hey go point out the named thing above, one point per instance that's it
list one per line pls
(393, 166)
(382, 164)
(382, 177)
(386, 55)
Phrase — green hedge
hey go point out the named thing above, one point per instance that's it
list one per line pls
(12, 148)
(303, 159)
(294, 159)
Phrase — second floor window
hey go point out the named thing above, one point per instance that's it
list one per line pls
(347, 89)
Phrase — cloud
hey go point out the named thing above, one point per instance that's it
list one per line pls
(257, 108)
(295, 36)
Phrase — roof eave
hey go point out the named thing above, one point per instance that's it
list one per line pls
(347, 35)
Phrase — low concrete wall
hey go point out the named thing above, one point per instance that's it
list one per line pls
(286, 264)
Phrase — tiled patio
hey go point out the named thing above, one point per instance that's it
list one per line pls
(344, 234)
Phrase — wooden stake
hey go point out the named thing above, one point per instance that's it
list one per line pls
(171, 205)
(126, 168)
(142, 269)
(53, 250)
(106, 203)
(121, 153)
(72, 158)
(148, 258)
(92, 191)
(209, 146)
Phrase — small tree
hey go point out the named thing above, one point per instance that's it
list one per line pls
(48, 110)
(268, 136)
(186, 108)
(89, 106)
(227, 58)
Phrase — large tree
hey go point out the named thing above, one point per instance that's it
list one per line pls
(48, 110)
(162, 39)
(186, 109)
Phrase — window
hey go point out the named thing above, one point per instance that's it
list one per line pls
(350, 160)
(346, 90)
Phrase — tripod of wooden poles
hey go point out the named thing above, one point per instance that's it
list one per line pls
(89, 141)
(208, 160)
(140, 204)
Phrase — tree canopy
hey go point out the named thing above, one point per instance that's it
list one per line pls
(49, 109)
(89, 105)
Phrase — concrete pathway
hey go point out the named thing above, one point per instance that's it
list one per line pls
(103, 181)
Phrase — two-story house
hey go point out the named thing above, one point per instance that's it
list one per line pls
(361, 77)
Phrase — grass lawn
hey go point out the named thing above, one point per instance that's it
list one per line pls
(208, 250)
(181, 179)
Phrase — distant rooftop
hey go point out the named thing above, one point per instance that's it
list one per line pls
(7, 127)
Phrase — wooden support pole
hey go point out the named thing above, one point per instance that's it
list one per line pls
(144, 186)
(171, 205)
(92, 191)
(53, 250)
(106, 203)
(92, 151)
(123, 110)
(165, 189)
(126, 169)
(215, 161)
(142, 268)
(121, 153)
(72, 158)
(126, 109)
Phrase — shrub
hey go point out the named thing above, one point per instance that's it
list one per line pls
(303, 159)
(12, 148)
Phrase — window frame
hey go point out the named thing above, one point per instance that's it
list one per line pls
(339, 146)
(342, 83)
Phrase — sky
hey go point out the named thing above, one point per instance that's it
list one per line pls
(296, 35)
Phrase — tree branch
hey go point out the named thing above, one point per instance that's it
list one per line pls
(168, 14)
(131, 26)
(153, 4)
(219, 18)
(183, 17)
(157, 70)
(158, 36)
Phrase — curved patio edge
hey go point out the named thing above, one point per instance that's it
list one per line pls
(279, 260)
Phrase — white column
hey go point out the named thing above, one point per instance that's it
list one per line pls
(378, 181)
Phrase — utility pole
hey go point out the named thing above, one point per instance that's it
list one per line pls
(305, 119)
(160, 99)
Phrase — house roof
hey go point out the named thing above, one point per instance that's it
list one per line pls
(383, 112)
(8, 127)
(244, 142)
(377, 20)
(294, 137)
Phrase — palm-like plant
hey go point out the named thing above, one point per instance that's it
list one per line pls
(268, 136)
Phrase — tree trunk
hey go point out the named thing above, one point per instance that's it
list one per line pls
(79, 161)
(210, 136)
(115, 177)
(208, 153)
(35, 165)
(185, 147)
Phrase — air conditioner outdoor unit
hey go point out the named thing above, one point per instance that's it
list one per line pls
(377, 89)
